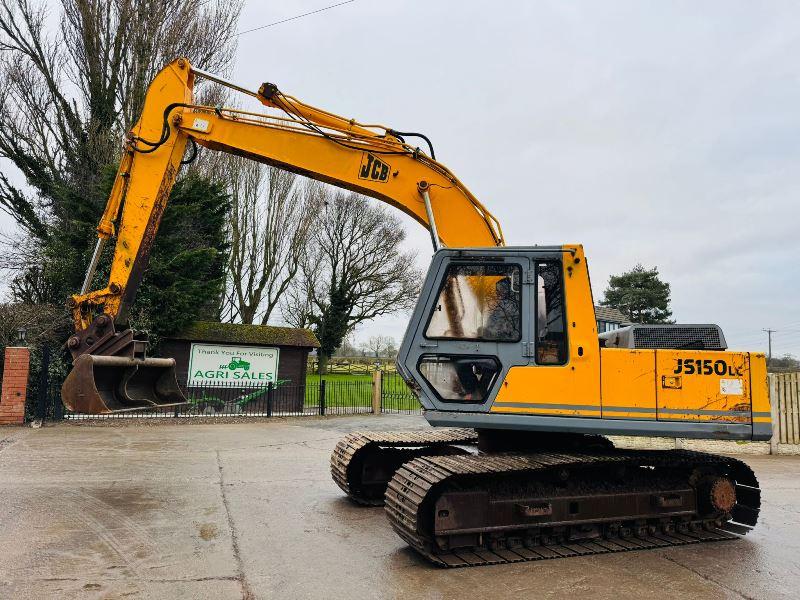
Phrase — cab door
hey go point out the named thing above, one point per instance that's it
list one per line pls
(469, 328)
(563, 376)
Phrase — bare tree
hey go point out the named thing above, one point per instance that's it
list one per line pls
(268, 232)
(297, 307)
(40, 322)
(354, 269)
(348, 348)
(67, 96)
(390, 351)
(380, 346)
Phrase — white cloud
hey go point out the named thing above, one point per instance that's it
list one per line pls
(661, 133)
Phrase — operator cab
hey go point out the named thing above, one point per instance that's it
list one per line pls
(506, 338)
(480, 313)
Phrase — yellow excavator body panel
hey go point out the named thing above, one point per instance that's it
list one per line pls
(624, 383)
(554, 373)
(664, 385)
(627, 387)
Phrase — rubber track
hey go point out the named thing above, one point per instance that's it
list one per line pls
(421, 477)
(354, 444)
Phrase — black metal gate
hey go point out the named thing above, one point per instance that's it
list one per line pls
(315, 397)
(396, 396)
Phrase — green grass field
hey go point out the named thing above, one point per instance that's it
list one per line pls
(313, 379)
(356, 390)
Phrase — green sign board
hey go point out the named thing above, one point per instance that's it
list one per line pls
(245, 366)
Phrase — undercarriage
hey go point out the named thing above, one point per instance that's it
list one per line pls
(466, 498)
(363, 462)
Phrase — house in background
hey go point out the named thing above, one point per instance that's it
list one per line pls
(609, 319)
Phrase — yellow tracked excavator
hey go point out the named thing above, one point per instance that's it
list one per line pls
(502, 351)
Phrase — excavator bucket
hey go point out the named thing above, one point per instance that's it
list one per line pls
(101, 384)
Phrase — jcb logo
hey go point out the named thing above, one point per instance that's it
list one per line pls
(373, 168)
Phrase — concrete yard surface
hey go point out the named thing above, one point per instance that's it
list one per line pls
(248, 510)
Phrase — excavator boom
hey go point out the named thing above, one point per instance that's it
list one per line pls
(373, 160)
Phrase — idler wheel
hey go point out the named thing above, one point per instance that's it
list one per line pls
(722, 494)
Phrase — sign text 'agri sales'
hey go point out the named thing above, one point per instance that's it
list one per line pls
(247, 366)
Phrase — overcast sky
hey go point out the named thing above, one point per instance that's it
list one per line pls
(666, 133)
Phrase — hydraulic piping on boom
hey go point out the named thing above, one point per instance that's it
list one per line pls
(111, 369)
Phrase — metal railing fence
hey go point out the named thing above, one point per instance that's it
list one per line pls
(318, 396)
(396, 396)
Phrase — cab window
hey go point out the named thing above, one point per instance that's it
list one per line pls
(551, 338)
(460, 378)
(478, 302)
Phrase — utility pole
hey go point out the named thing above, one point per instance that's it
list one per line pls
(769, 333)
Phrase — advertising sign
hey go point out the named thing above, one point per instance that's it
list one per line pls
(245, 366)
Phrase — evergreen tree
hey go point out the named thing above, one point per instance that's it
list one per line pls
(640, 295)
(185, 276)
(332, 323)
(68, 95)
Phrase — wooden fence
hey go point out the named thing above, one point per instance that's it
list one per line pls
(784, 395)
(360, 365)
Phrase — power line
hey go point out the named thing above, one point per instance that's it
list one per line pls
(747, 339)
(780, 341)
(313, 12)
(752, 334)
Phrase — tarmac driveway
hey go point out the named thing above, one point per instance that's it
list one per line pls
(248, 510)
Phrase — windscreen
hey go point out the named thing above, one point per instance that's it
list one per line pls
(478, 302)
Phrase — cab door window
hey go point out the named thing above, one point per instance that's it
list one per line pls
(551, 336)
(478, 302)
(460, 378)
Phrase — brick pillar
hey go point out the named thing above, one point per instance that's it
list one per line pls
(15, 386)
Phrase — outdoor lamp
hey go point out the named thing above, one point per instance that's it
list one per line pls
(21, 335)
